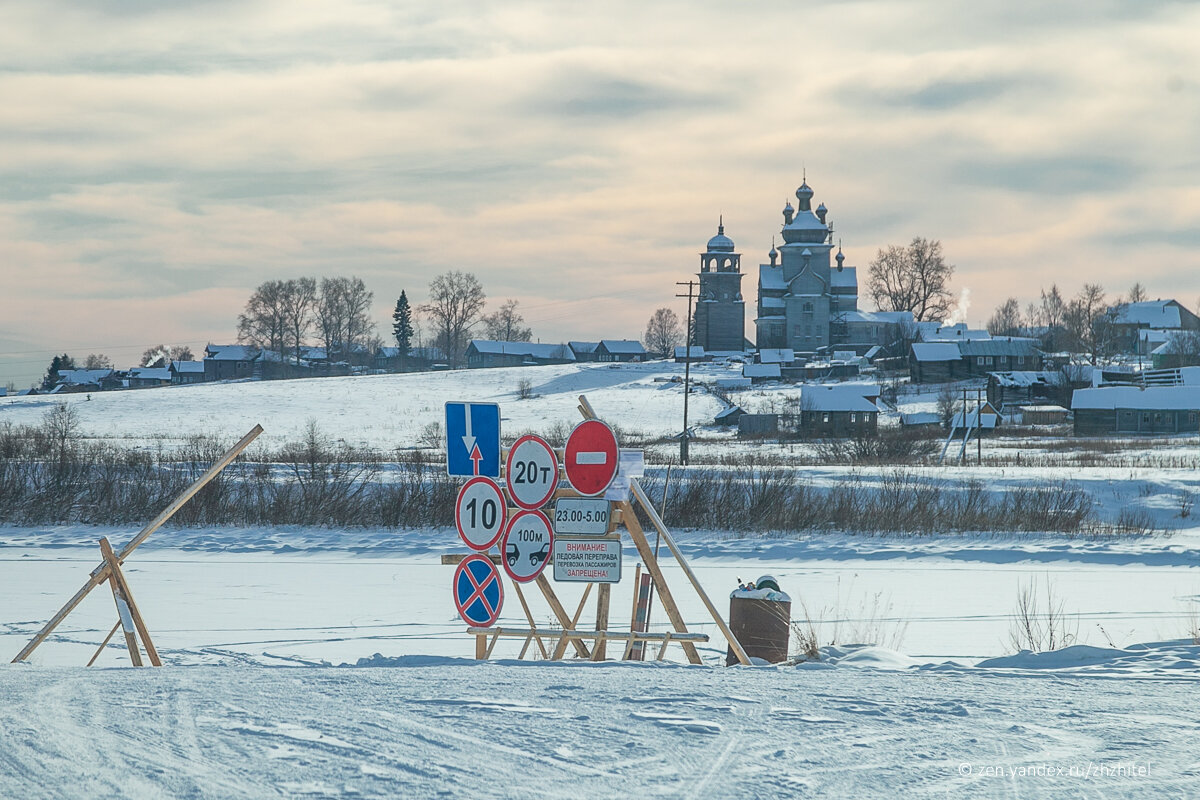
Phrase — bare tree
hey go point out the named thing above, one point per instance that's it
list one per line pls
(97, 361)
(1007, 319)
(455, 303)
(663, 333)
(299, 302)
(914, 278)
(1137, 293)
(506, 324)
(263, 323)
(160, 355)
(1182, 349)
(343, 316)
(1088, 322)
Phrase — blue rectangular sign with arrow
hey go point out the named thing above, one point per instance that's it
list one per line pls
(473, 439)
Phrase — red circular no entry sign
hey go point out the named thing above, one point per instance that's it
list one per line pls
(591, 457)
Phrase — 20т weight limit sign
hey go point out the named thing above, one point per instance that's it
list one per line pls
(531, 472)
(480, 513)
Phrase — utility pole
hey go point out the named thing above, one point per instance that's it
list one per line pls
(687, 370)
(979, 422)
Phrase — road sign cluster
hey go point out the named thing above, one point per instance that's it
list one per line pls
(526, 536)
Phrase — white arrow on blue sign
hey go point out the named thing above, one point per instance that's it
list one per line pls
(473, 439)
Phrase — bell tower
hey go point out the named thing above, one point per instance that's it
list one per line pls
(720, 310)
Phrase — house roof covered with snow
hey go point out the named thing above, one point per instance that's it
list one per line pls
(153, 373)
(760, 371)
(1152, 398)
(1008, 346)
(530, 349)
(815, 397)
(939, 332)
(1149, 314)
(879, 317)
(583, 347)
(1026, 379)
(82, 377)
(936, 351)
(623, 346)
(693, 352)
(188, 367)
(776, 355)
(231, 352)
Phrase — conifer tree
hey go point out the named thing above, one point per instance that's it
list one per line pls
(402, 325)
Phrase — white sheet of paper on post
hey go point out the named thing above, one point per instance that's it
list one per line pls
(618, 490)
(631, 464)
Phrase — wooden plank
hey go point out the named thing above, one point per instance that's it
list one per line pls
(481, 649)
(104, 644)
(561, 648)
(633, 619)
(100, 574)
(640, 494)
(124, 618)
(577, 634)
(630, 520)
(560, 613)
(602, 597)
(528, 616)
(664, 592)
(454, 559)
(118, 575)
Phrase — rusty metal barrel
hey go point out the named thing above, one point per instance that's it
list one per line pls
(761, 620)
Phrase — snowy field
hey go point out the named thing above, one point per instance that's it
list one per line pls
(309, 662)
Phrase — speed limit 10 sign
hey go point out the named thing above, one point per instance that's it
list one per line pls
(531, 472)
(480, 513)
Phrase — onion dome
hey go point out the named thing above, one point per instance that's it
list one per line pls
(720, 243)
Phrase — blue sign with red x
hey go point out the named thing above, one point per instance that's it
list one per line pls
(478, 593)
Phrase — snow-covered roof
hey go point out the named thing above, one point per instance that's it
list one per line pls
(1152, 398)
(879, 317)
(186, 367)
(1027, 379)
(529, 349)
(835, 398)
(939, 332)
(695, 351)
(776, 355)
(771, 277)
(153, 373)
(733, 383)
(760, 371)
(920, 418)
(626, 346)
(847, 277)
(1008, 346)
(583, 347)
(81, 377)
(989, 420)
(1149, 314)
(732, 411)
(936, 351)
(231, 352)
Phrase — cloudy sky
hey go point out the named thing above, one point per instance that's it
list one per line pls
(158, 160)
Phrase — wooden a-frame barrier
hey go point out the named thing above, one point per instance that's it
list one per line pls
(129, 617)
(569, 634)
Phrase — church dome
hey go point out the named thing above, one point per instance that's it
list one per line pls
(720, 243)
